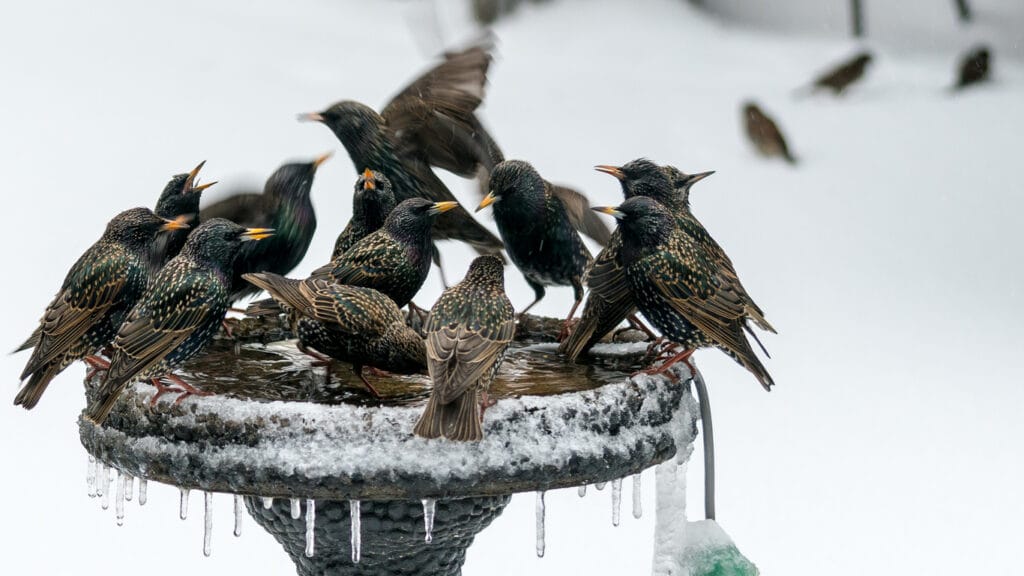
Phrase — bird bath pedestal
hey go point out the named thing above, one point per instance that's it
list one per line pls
(275, 430)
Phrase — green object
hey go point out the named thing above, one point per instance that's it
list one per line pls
(710, 552)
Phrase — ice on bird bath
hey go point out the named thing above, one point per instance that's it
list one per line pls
(638, 510)
(429, 505)
(267, 502)
(90, 477)
(582, 491)
(356, 528)
(310, 526)
(105, 488)
(129, 487)
(183, 503)
(207, 523)
(238, 514)
(600, 485)
(616, 500)
(296, 509)
(119, 499)
(143, 489)
(540, 524)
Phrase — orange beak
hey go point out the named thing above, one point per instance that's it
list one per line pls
(613, 170)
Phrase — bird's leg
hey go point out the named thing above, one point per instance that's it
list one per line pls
(227, 329)
(663, 369)
(653, 349)
(186, 388)
(359, 372)
(564, 332)
(96, 364)
(435, 256)
(319, 361)
(414, 309)
(236, 310)
(485, 402)
(377, 372)
(636, 324)
(161, 389)
(538, 294)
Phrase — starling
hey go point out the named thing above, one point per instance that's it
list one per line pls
(285, 207)
(178, 315)
(763, 132)
(468, 332)
(348, 323)
(101, 287)
(396, 258)
(842, 76)
(180, 197)
(679, 288)
(539, 235)
(372, 202)
(974, 67)
(429, 123)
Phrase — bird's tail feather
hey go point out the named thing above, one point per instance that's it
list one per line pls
(461, 419)
(32, 391)
(108, 393)
(32, 341)
(429, 425)
(281, 289)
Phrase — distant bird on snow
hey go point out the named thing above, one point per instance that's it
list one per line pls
(765, 134)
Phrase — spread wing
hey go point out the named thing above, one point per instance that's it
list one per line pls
(582, 217)
(245, 208)
(459, 356)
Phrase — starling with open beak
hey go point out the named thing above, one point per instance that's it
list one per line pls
(177, 316)
(975, 67)
(468, 332)
(180, 197)
(540, 237)
(679, 289)
(372, 202)
(101, 287)
(765, 134)
(285, 207)
(348, 323)
(839, 78)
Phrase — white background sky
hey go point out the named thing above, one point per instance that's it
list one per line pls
(889, 260)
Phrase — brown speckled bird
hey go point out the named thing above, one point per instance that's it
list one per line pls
(101, 287)
(839, 78)
(180, 197)
(975, 67)
(765, 134)
(348, 323)
(468, 332)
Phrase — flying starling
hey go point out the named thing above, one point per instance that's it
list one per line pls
(396, 258)
(372, 202)
(178, 314)
(974, 67)
(840, 78)
(679, 289)
(180, 197)
(431, 122)
(101, 287)
(763, 132)
(348, 323)
(468, 332)
(540, 237)
(285, 207)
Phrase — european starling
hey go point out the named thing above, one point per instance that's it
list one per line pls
(539, 235)
(180, 197)
(285, 207)
(842, 76)
(396, 258)
(974, 67)
(763, 132)
(372, 202)
(430, 122)
(468, 332)
(101, 287)
(679, 289)
(178, 314)
(348, 323)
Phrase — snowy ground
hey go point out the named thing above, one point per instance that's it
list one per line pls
(889, 261)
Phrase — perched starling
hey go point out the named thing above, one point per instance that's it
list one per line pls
(396, 258)
(372, 202)
(468, 332)
(101, 287)
(840, 78)
(285, 207)
(180, 197)
(763, 132)
(540, 237)
(348, 323)
(679, 288)
(178, 314)
(974, 67)
(431, 122)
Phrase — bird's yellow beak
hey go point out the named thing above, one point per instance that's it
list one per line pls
(609, 210)
(321, 159)
(311, 117)
(487, 201)
(257, 233)
(442, 207)
(192, 177)
(694, 178)
(613, 170)
(369, 182)
(179, 223)
(202, 187)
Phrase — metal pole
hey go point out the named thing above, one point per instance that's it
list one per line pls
(708, 434)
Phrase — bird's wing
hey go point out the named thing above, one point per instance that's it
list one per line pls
(582, 217)
(243, 207)
(607, 278)
(351, 308)
(372, 258)
(459, 356)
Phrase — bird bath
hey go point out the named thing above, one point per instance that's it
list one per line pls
(281, 438)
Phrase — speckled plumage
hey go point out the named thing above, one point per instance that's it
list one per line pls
(348, 323)
(539, 236)
(468, 332)
(679, 288)
(765, 134)
(284, 206)
(178, 314)
(372, 201)
(101, 287)
(179, 198)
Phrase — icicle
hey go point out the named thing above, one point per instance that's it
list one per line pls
(129, 487)
(582, 491)
(540, 524)
(207, 523)
(238, 514)
(183, 505)
(310, 527)
(600, 485)
(90, 476)
(354, 511)
(105, 488)
(119, 499)
(143, 486)
(267, 502)
(429, 505)
(296, 509)
(616, 500)
(638, 510)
